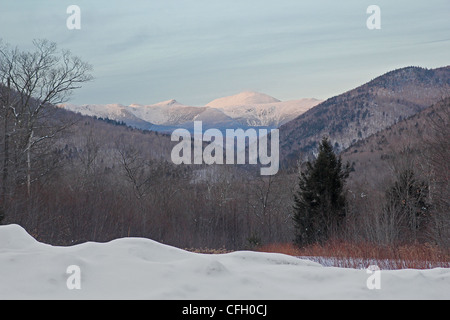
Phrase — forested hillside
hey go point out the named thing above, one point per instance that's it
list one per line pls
(363, 111)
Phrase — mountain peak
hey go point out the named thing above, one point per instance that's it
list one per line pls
(167, 103)
(242, 99)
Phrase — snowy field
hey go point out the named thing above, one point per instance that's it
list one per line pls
(134, 268)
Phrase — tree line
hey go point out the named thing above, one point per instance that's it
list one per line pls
(69, 179)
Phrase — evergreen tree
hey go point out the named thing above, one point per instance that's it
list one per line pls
(319, 204)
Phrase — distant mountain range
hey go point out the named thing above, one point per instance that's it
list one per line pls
(345, 119)
(244, 110)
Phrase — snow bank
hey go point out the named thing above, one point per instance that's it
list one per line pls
(134, 268)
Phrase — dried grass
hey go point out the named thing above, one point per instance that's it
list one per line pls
(362, 255)
(208, 250)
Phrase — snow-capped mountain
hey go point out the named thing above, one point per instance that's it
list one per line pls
(116, 112)
(257, 109)
(168, 112)
(246, 109)
(243, 98)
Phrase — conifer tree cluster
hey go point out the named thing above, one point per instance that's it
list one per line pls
(319, 203)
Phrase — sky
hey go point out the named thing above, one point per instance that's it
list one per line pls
(194, 51)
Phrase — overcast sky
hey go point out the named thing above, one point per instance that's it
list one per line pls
(146, 51)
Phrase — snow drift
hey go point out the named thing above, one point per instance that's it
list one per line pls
(136, 268)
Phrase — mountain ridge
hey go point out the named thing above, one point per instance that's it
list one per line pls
(410, 137)
(246, 109)
(242, 98)
(364, 110)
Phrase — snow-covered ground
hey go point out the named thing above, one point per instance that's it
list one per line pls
(135, 268)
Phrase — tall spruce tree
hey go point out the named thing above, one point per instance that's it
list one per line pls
(319, 203)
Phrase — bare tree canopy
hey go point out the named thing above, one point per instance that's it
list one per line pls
(46, 74)
(31, 84)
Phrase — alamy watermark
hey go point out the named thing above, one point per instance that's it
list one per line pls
(73, 22)
(374, 280)
(374, 20)
(74, 280)
(235, 142)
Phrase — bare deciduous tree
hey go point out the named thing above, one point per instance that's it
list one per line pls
(32, 83)
(438, 157)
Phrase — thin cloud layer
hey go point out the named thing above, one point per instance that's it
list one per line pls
(150, 51)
